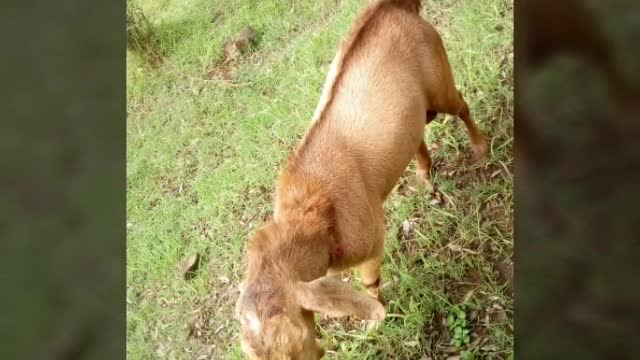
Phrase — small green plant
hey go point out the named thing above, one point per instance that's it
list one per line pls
(467, 355)
(458, 327)
(140, 33)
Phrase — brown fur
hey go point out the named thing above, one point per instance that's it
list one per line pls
(389, 78)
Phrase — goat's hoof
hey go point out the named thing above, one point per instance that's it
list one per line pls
(371, 325)
(422, 177)
(375, 317)
(480, 150)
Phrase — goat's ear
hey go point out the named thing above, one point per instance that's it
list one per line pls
(331, 296)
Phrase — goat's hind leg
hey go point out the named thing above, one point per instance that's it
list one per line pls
(423, 160)
(459, 107)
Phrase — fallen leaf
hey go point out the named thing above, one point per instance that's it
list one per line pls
(468, 296)
(506, 272)
(490, 348)
(501, 316)
(411, 343)
(443, 323)
(247, 33)
(448, 349)
(454, 247)
(215, 16)
(475, 342)
(437, 199)
(189, 266)
(406, 228)
(231, 51)
(195, 330)
(238, 46)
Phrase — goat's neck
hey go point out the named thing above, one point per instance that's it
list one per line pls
(303, 255)
(305, 215)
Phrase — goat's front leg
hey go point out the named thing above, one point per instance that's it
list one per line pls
(370, 269)
(370, 276)
(371, 280)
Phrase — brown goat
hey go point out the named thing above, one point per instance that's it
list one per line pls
(390, 77)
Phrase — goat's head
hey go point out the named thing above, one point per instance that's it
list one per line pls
(276, 303)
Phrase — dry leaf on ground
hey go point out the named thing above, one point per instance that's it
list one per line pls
(189, 266)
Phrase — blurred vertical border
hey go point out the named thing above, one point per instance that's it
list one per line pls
(577, 218)
(62, 180)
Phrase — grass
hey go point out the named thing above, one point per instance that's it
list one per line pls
(205, 145)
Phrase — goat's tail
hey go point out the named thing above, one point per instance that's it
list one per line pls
(412, 5)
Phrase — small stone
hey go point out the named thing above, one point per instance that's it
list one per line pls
(406, 228)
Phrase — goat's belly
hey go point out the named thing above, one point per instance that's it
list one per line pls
(388, 146)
